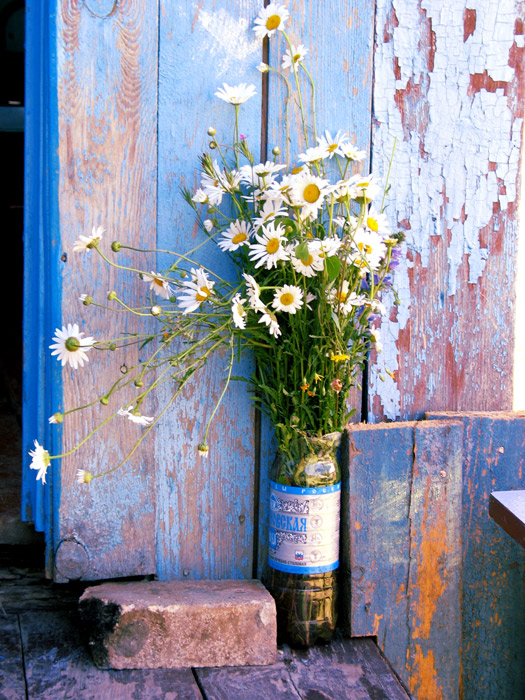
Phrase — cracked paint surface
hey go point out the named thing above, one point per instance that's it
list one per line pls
(448, 85)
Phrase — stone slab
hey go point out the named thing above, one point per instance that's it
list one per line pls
(176, 624)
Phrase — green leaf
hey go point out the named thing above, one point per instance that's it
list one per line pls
(301, 252)
(333, 265)
(335, 319)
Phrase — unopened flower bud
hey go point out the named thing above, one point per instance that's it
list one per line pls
(211, 131)
(111, 296)
(112, 347)
(56, 418)
(276, 151)
(155, 310)
(203, 450)
(263, 67)
(86, 299)
(104, 400)
(116, 246)
(138, 382)
(212, 145)
(336, 385)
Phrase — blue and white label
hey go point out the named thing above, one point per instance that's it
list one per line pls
(304, 528)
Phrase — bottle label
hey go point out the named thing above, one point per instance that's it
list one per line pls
(304, 528)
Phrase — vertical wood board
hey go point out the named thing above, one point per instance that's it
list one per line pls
(205, 523)
(449, 86)
(107, 106)
(493, 573)
(402, 542)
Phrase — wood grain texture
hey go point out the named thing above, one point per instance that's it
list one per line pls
(402, 549)
(12, 682)
(59, 666)
(449, 86)
(205, 523)
(493, 571)
(107, 106)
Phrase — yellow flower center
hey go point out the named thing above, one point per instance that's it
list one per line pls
(72, 344)
(297, 170)
(272, 246)
(364, 248)
(239, 237)
(372, 224)
(332, 147)
(158, 282)
(286, 299)
(311, 193)
(273, 22)
(309, 261)
(296, 57)
(341, 296)
(203, 294)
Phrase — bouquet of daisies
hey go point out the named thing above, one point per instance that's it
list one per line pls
(312, 253)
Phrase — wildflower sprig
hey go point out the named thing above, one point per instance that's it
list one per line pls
(312, 254)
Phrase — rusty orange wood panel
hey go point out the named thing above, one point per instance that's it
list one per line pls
(493, 570)
(107, 114)
(402, 549)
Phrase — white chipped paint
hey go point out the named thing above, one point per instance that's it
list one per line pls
(228, 40)
(464, 134)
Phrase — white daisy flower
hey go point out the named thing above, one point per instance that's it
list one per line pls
(375, 334)
(236, 235)
(308, 191)
(309, 298)
(282, 189)
(40, 460)
(83, 477)
(253, 290)
(376, 306)
(348, 150)
(195, 291)
(270, 246)
(342, 300)
(203, 450)
(70, 346)
(368, 249)
(139, 420)
(365, 185)
(238, 311)
(235, 94)
(214, 186)
(270, 319)
(208, 225)
(327, 247)
(296, 55)
(271, 19)
(88, 242)
(312, 155)
(332, 144)
(200, 197)
(288, 298)
(261, 175)
(56, 418)
(158, 284)
(311, 267)
(270, 210)
(377, 222)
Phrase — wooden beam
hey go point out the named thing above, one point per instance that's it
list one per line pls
(507, 508)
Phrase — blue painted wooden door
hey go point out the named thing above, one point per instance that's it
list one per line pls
(129, 94)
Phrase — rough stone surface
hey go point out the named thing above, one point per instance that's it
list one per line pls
(170, 624)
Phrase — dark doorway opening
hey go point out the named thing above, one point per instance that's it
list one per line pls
(12, 25)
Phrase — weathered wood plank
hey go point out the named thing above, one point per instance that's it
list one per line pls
(12, 682)
(402, 549)
(58, 666)
(107, 114)
(205, 518)
(347, 668)
(507, 508)
(493, 574)
(375, 534)
(455, 192)
(434, 580)
(257, 683)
